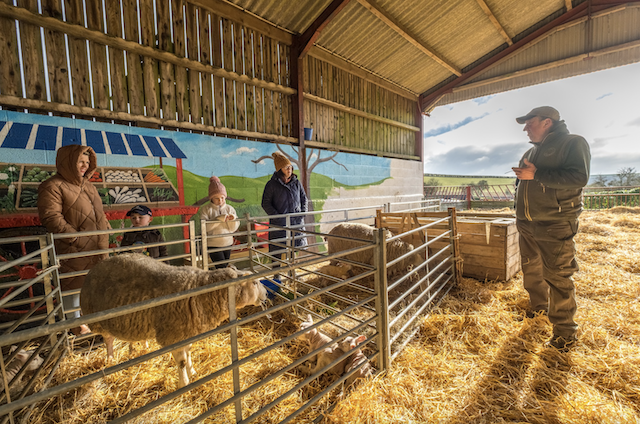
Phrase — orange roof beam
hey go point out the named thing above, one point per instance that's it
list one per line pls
(428, 100)
(306, 40)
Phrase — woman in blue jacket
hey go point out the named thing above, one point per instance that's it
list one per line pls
(283, 194)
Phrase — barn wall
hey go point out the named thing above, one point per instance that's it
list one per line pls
(383, 124)
(221, 77)
(338, 179)
(167, 63)
(180, 65)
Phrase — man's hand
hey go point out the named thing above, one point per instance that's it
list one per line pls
(527, 172)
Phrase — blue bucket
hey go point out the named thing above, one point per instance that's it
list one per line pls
(308, 133)
(272, 288)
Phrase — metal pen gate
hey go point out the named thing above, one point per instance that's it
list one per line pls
(368, 303)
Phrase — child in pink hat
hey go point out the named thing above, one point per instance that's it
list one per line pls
(224, 221)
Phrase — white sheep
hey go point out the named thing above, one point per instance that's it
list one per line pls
(131, 278)
(355, 230)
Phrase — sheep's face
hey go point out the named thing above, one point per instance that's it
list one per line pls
(350, 342)
(251, 293)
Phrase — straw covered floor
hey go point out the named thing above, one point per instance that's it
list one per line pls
(476, 359)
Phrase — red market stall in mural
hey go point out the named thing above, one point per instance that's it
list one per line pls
(119, 187)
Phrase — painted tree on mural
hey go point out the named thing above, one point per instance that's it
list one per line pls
(307, 172)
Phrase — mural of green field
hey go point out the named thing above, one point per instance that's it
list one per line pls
(249, 190)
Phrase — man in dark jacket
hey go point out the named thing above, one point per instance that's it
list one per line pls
(283, 194)
(548, 202)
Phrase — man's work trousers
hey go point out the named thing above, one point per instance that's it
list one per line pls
(548, 258)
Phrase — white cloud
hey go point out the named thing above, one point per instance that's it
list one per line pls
(240, 151)
(601, 106)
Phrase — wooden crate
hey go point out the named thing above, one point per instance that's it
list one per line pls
(488, 242)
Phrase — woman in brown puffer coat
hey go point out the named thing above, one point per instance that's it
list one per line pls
(69, 203)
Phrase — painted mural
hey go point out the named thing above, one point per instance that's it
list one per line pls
(168, 169)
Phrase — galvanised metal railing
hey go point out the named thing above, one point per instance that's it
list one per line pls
(190, 253)
(468, 194)
(32, 297)
(294, 296)
(597, 198)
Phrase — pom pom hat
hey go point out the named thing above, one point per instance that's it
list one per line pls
(216, 187)
(280, 160)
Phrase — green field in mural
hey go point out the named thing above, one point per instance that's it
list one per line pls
(249, 190)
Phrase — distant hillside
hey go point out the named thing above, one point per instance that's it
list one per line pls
(609, 178)
(455, 180)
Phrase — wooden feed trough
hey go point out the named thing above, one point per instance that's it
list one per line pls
(488, 242)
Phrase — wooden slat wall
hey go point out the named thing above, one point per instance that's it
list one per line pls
(171, 92)
(9, 66)
(346, 130)
(89, 74)
(33, 64)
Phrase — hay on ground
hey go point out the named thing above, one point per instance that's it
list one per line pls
(476, 358)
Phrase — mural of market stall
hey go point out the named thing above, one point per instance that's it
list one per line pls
(120, 187)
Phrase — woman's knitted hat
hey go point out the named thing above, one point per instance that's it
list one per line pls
(280, 160)
(216, 187)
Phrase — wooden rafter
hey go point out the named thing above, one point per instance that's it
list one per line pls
(305, 41)
(568, 4)
(384, 17)
(495, 21)
(244, 17)
(428, 100)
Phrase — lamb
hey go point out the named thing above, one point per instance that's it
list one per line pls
(395, 249)
(329, 354)
(353, 361)
(22, 357)
(131, 278)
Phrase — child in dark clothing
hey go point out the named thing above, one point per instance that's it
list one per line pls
(141, 216)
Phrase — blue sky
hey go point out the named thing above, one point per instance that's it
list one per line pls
(481, 136)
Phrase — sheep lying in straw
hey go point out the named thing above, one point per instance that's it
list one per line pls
(132, 278)
(395, 249)
(22, 357)
(331, 352)
(354, 360)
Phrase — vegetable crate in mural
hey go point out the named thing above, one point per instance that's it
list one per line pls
(117, 186)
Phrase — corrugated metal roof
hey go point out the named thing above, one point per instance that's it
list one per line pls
(461, 34)
(294, 16)
(562, 54)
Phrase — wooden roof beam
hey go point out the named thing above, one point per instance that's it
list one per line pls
(568, 4)
(306, 40)
(495, 22)
(246, 18)
(428, 100)
(384, 17)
